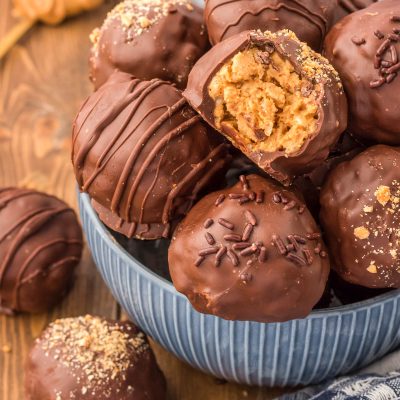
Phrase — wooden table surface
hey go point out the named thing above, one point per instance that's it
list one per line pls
(43, 81)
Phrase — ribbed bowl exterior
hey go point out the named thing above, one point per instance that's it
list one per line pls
(299, 352)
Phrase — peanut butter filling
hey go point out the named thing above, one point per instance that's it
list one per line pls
(264, 102)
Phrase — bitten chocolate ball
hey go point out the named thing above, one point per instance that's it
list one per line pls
(149, 39)
(310, 20)
(143, 155)
(274, 98)
(365, 48)
(346, 7)
(360, 204)
(89, 358)
(250, 252)
(40, 246)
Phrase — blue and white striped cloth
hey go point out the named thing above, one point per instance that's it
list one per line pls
(380, 381)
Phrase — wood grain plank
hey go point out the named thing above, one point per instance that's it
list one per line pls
(42, 84)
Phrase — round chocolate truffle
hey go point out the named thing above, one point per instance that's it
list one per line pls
(346, 7)
(143, 155)
(40, 246)
(250, 252)
(149, 39)
(360, 208)
(364, 47)
(273, 97)
(87, 358)
(310, 20)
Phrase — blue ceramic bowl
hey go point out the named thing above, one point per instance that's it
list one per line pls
(325, 344)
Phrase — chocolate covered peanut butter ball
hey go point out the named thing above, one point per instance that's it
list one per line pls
(310, 20)
(250, 252)
(40, 246)
(360, 208)
(273, 97)
(364, 47)
(89, 358)
(149, 39)
(143, 155)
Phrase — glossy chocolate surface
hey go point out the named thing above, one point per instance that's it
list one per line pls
(364, 47)
(89, 358)
(149, 39)
(360, 204)
(250, 252)
(143, 155)
(310, 20)
(40, 246)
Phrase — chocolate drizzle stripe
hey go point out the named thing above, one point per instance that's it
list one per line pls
(348, 5)
(113, 112)
(12, 196)
(57, 264)
(197, 169)
(134, 83)
(316, 19)
(21, 280)
(129, 165)
(29, 225)
(132, 229)
(107, 154)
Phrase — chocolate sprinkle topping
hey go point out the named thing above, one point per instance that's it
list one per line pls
(208, 251)
(233, 237)
(199, 261)
(263, 255)
(250, 217)
(278, 243)
(233, 257)
(225, 223)
(247, 232)
(208, 223)
(220, 199)
(296, 259)
(300, 239)
(220, 254)
(260, 197)
(289, 206)
(210, 238)
(307, 256)
(249, 250)
(276, 198)
(241, 245)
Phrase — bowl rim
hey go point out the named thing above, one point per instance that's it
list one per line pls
(132, 262)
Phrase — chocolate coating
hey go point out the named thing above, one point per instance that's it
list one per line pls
(89, 358)
(346, 7)
(348, 293)
(365, 48)
(40, 246)
(360, 214)
(330, 101)
(149, 39)
(143, 155)
(310, 20)
(243, 259)
(309, 185)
